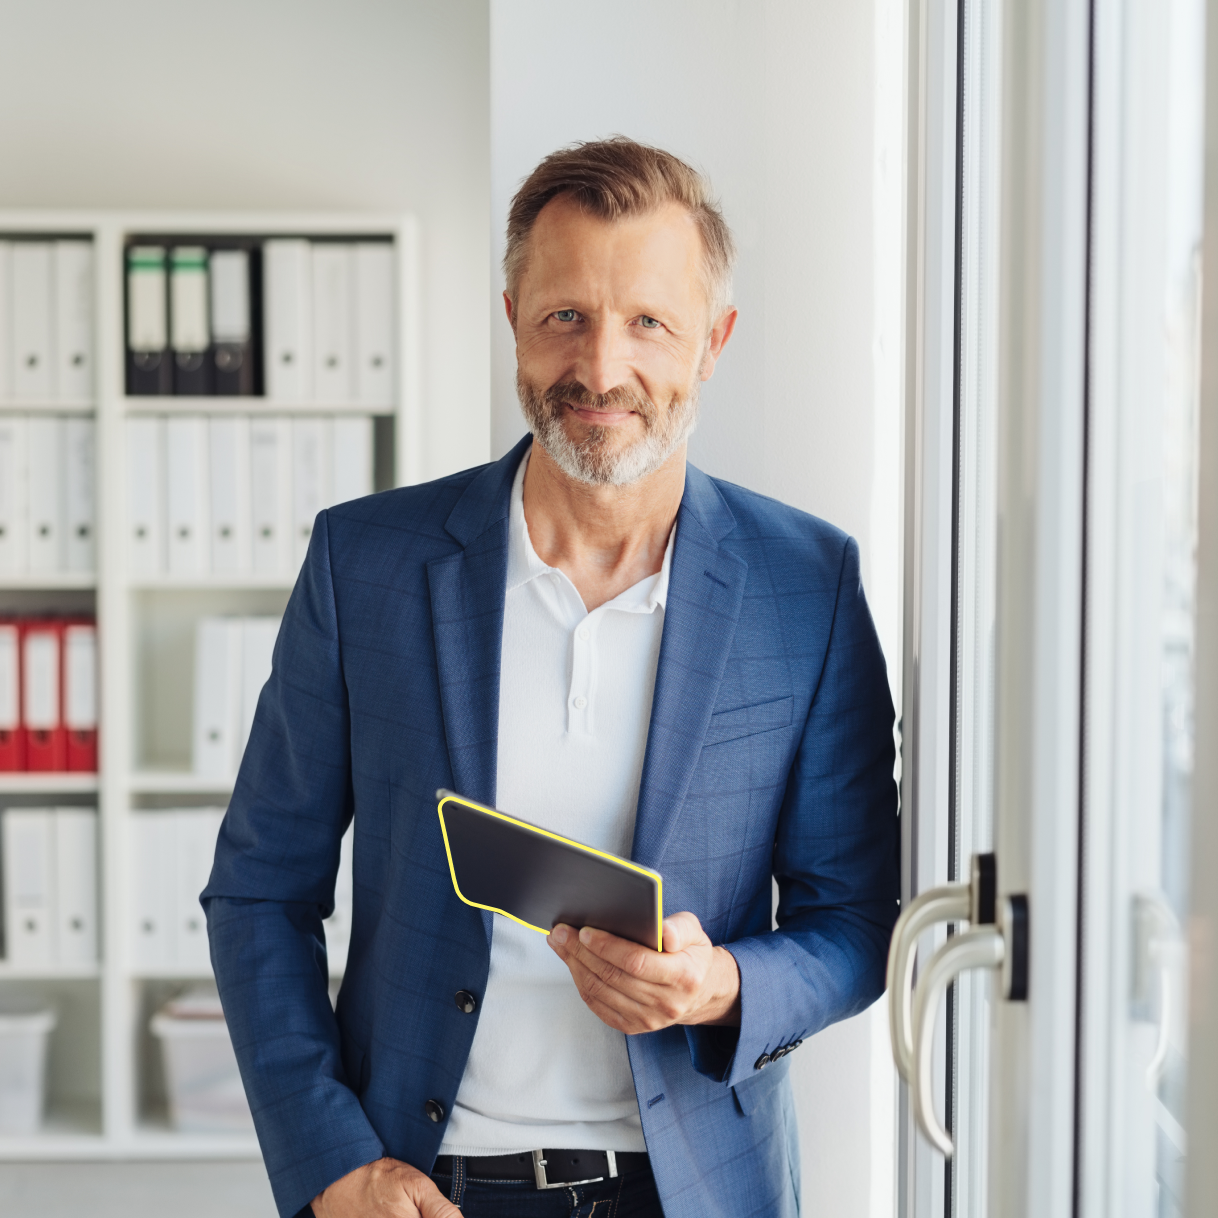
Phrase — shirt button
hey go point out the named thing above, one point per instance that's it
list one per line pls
(581, 702)
(466, 1001)
(435, 1110)
(584, 633)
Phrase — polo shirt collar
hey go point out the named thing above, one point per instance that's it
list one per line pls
(524, 565)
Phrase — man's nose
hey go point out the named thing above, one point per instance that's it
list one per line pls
(601, 364)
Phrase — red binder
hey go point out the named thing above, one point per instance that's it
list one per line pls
(80, 694)
(12, 742)
(46, 742)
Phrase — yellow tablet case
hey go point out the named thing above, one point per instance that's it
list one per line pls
(539, 878)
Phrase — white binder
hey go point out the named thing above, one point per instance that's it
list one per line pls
(338, 925)
(146, 496)
(333, 328)
(375, 321)
(46, 493)
(153, 875)
(189, 313)
(270, 493)
(6, 320)
(311, 478)
(14, 495)
(76, 885)
(217, 717)
(74, 321)
(29, 887)
(33, 321)
(195, 833)
(230, 296)
(288, 266)
(352, 452)
(186, 494)
(229, 452)
(80, 455)
(147, 299)
(257, 648)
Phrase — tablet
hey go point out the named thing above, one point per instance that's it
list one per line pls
(539, 878)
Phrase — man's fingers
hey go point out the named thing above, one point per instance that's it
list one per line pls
(632, 959)
(635, 982)
(610, 1006)
(593, 987)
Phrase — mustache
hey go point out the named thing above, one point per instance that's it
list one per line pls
(573, 393)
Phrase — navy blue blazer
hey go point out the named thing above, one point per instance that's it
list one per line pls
(770, 754)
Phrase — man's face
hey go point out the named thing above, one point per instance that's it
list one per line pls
(613, 339)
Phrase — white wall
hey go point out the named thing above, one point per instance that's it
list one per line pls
(288, 104)
(792, 107)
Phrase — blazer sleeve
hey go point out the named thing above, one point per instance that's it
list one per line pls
(271, 886)
(836, 859)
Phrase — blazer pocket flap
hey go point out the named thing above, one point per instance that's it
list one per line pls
(749, 720)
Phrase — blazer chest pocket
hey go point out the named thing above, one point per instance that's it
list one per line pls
(749, 721)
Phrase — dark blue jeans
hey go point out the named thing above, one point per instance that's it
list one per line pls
(630, 1196)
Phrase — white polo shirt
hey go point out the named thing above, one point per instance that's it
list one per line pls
(575, 694)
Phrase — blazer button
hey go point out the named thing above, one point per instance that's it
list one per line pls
(466, 1001)
(435, 1110)
(763, 1061)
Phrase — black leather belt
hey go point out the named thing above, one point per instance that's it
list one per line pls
(548, 1168)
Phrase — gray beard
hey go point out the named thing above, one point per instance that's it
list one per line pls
(594, 460)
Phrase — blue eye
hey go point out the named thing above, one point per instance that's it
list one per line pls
(649, 323)
(566, 315)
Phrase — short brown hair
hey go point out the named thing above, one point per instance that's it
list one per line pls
(619, 177)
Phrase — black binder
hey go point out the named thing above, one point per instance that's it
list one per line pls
(539, 878)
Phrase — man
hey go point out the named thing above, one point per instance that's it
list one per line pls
(600, 639)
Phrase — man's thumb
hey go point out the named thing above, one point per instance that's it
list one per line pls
(682, 930)
(438, 1206)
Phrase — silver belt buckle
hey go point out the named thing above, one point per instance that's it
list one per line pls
(539, 1172)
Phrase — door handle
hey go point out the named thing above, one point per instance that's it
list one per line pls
(982, 947)
(972, 902)
(950, 903)
(1156, 933)
(1003, 945)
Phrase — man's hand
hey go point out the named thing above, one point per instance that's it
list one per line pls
(384, 1189)
(636, 989)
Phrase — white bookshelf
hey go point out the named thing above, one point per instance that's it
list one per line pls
(104, 1095)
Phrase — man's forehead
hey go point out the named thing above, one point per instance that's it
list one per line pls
(662, 246)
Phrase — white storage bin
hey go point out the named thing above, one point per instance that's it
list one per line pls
(25, 1028)
(205, 1091)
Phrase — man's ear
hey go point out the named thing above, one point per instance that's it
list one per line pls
(510, 310)
(721, 331)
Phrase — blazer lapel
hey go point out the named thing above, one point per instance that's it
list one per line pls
(467, 597)
(705, 594)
